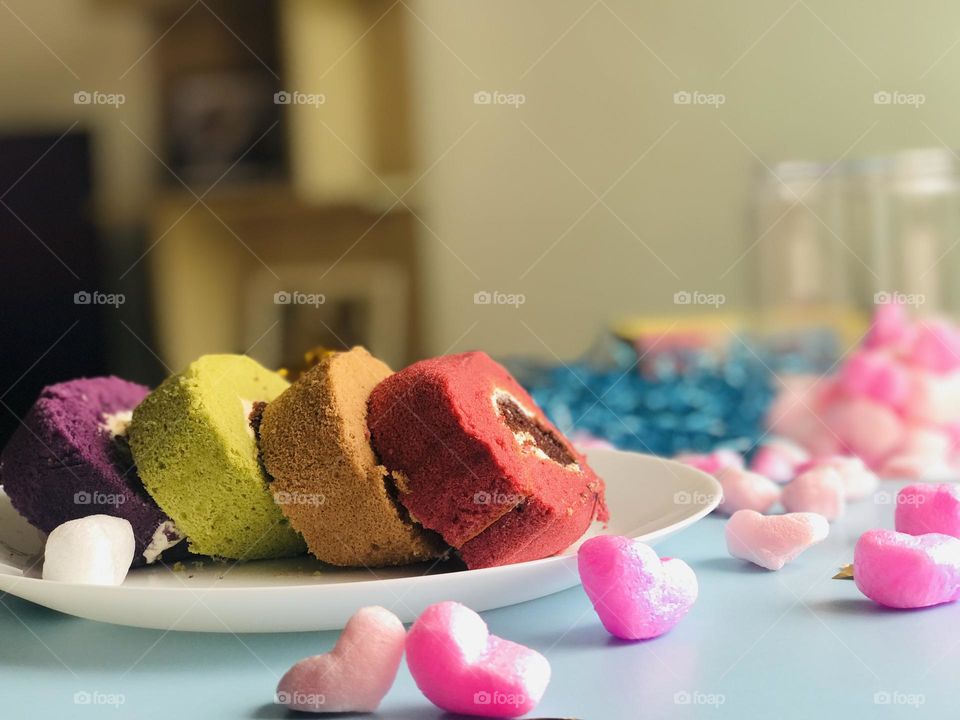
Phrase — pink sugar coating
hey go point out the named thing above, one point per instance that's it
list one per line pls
(819, 490)
(772, 541)
(928, 508)
(460, 667)
(907, 571)
(746, 490)
(895, 401)
(935, 346)
(891, 327)
(877, 376)
(636, 594)
(356, 674)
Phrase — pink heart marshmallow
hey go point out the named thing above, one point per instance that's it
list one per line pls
(877, 376)
(636, 594)
(779, 460)
(936, 346)
(771, 541)
(866, 428)
(858, 480)
(907, 571)
(745, 490)
(891, 327)
(356, 674)
(928, 508)
(934, 398)
(819, 491)
(712, 463)
(917, 467)
(795, 412)
(462, 668)
(927, 441)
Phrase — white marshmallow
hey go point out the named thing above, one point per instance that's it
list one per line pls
(94, 550)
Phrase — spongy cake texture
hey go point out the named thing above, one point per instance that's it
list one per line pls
(64, 462)
(195, 450)
(477, 461)
(326, 479)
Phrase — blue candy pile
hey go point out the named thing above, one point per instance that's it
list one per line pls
(691, 400)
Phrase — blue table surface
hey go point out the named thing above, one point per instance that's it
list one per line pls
(791, 644)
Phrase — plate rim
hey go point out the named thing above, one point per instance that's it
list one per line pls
(713, 497)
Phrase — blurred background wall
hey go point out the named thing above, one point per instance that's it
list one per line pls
(582, 161)
(599, 78)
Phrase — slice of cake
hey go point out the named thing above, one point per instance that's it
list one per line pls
(70, 458)
(326, 479)
(195, 448)
(477, 461)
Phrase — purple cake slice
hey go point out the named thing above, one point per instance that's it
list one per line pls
(69, 458)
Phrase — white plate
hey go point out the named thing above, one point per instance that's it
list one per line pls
(649, 499)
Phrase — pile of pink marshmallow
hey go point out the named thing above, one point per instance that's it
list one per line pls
(812, 491)
(894, 401)
(783, 472)
(915, 565)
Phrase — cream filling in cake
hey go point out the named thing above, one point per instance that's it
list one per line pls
(116, 423)
(247, 406)
(164, 538)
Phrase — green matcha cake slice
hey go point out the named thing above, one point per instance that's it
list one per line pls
(195, 449)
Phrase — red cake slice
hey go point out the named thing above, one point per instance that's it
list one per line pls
(474, 459)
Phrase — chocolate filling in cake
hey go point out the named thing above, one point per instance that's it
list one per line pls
(255, 418)
(545, 440)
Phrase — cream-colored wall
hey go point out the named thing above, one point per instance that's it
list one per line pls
(51, 49)
(502, 212)
(599, 79)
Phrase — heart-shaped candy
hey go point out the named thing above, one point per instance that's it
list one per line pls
(857, 479)
(356, 674)
(819, 490)
(636, 594)
(933, 398)
(875, 375)
(779, 460)
(907, 571)
(713, 462)
(928, 508)
(92, 550)
(936, 346)
(462, 668)
(891, 328)
(771, 541)
(917, 467)
(864, 427)
(745, 490)
(928, 441)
